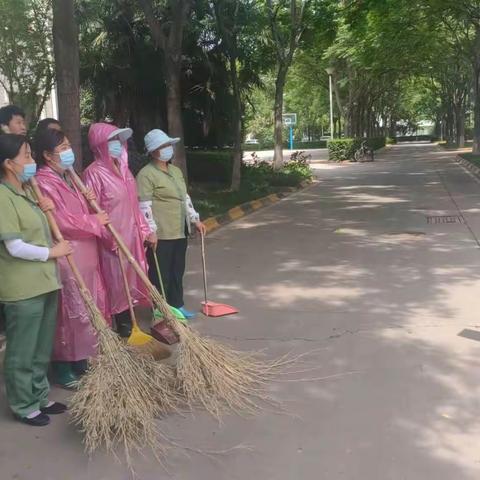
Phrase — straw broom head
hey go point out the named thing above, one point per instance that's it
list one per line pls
(121, 395)
(213, 375)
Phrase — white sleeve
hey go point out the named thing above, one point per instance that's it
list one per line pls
(19, 249)
(192, 214)
(146, 209)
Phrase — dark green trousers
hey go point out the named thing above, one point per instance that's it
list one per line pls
(30, 328)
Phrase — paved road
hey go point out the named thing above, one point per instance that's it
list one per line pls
(352, 269)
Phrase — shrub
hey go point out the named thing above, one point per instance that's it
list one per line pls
(208, 166)
(391, 141)
(375, 143)
(342, 149)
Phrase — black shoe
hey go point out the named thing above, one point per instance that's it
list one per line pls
(55, 409)
(124, 330)
(41, 420)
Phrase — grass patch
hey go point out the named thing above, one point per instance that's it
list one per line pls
(472, 157)
(215, 199)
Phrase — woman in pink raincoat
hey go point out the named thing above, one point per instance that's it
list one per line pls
(75, 338)
(114, 185)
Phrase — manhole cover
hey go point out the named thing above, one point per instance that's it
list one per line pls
(435, 219)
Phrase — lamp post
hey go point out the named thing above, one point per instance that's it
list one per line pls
(330, 71)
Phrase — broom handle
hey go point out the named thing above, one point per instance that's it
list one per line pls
(127, 291)
(159, 273)
(204, 265)
(121, 244)
(57, 234)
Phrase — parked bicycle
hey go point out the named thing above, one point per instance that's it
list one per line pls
(364, 153)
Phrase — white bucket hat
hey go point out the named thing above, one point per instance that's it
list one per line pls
(123, 134)
(157, 138)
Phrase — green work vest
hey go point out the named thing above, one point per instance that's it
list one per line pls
(167, 192)
(21, 218)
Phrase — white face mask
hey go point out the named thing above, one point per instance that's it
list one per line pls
(166, 154)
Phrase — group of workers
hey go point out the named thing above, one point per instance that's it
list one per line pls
(46, 321)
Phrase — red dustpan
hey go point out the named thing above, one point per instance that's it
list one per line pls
(212, 309)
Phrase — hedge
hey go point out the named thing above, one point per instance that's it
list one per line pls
(341, 149)
(208, 166)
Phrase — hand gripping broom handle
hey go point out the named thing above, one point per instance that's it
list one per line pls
(121, 244)
(57, 234)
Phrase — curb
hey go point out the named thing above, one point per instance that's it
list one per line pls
(468, 165)
(240, 211)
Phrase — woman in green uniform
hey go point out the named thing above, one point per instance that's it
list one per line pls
(28, 285)
(168, 209)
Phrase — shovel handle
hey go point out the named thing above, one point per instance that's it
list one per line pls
(204, 266)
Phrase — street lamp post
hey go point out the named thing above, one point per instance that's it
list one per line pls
(330, 71)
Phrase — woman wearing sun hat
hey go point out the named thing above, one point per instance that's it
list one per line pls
(168, 209)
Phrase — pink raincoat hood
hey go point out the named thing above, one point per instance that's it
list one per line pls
(117, 195)
(98, 141)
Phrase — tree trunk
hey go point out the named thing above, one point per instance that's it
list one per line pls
(278, 112)
(67, 66)
(238, 130)
(476, 110)
(174, 111)
(171, 45)
(476, 93)
(460, 125)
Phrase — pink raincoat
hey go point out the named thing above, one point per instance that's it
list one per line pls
(75, 338)
(117, 195)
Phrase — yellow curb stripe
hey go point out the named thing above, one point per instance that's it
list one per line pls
(211, 224)
(256, 204)
(236, 213)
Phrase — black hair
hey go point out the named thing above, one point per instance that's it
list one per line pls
(10, 145)
(8, 112)
(46, 122)
(46, 140)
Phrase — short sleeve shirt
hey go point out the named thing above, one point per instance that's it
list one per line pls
(167, 192)
(21, 218)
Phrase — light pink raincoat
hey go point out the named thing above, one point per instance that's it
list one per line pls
(117, 195)
(75, 338)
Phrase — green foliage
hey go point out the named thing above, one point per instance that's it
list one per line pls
(260, 174)
(391, 141)
(26, 68)
(375, 143)
(342, 149)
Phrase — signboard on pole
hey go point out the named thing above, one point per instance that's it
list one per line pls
(289, 119)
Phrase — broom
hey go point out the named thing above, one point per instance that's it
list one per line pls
(121, 393)
(138, 339)
(207, 372)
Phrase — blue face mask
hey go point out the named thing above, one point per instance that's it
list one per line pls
(166, 153)
(29, 171)
(67, 159)
(115, 148)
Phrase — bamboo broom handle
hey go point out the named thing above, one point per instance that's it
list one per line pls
(121, 244)
(127, 292)
(57, 234)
